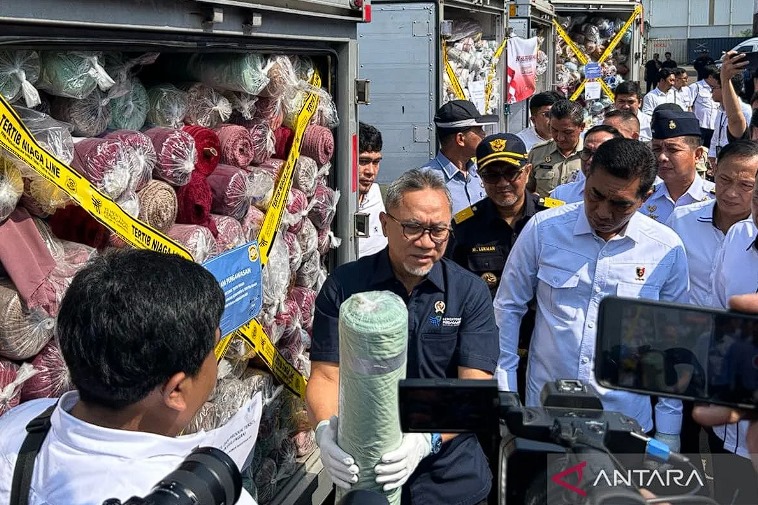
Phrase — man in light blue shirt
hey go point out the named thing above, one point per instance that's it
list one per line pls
(459, 131)
(570, 258)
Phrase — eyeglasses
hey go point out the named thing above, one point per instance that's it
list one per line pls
(494, 177)
(414, 231)
(585, 154)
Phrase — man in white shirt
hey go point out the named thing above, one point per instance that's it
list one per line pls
(663, 93)
(629, 98)
(539, 116)
(682, 91)
(720, 133)
(676, 146)
(703, 105)
(137, 330)
(571, 257)
(369, 194)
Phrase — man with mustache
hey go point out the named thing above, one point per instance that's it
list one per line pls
(369, 195)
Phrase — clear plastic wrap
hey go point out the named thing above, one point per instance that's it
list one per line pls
(167, 106)
(243, 72)
(52, 378)
(252, 223)
(262, 185)
(292, 103)
(305, 177)
(305, 298)
(19, 70)
(327, 240)
(262, 138)
(294, 250)
(129, 111)
(236, 145)
(12, 379)
(231, 394)
(11, 183)
(318, 143)
(129, 203)
(259, 381)
(305, 442)
(265, 481)
(303, 67)
(206, 106)
(23, 333)
(323, 206)
(294, 413)
(236, 359)
(271, 110)
(175, 155)
(230, 234)
(107, 163)
(286, 459)
(308, 237)
(158, 205)
(198, 240)
(276, 274)
(243, 104)
(308, 272)
(205, 419)
(89, 116)
(72, 74)
(54, 135)
(144, 151)
(232, 191)
(326, 112)
(289, 315)
(282, 76)
(297, 210)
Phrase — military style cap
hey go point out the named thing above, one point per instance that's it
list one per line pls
(667, 124)
(460, 115)
(501, 147)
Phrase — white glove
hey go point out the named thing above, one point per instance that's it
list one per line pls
(671, 440)
(398, 465)
(339, 464)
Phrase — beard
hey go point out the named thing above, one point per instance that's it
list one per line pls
(417, 271)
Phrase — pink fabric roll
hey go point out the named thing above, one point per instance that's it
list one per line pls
(208, 147)
(323, 207)
(289, 316)
(107, 163)
(252, 222)
(305, 176)
(283, 141)
(176, 155)
(263, 141)
(318, 143)
(294, 251)
(305, 298)
(308, 237)
(194, 202)
(11, 398)
(230, 234)
(144, 151)
(231, 191)
(271, 110)
(305, 442)
(52, 378)
(308, 272)
(197, 239)
(297, 210)
(236, 145)
(326, 241)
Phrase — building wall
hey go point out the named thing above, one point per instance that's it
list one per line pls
(686, 19)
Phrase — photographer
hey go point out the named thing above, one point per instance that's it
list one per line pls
(137, 331)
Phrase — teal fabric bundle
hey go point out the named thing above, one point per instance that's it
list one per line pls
(129, 111)
(72, 74)
(167, 106)
(89, 116)
(19, 70)
(229, 71)
(373, 332)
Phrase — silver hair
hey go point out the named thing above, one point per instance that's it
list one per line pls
(415, 179)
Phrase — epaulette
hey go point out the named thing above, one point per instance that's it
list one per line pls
(548, 202)
(464, 214)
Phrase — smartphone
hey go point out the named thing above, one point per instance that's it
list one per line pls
(752, 59)
(679, 351)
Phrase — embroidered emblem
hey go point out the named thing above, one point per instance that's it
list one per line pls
(498, 144)
(439, 307)
(640, 273)
(548, 159)
(490, 278)
(672, 125)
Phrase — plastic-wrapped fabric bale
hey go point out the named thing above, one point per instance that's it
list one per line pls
(327, 240)
(262, 138)
(236, 358)
(305, 177)
(208, 147)
(144, 152)
(276, 274)
(129, 203)
(283, 141)
(11, 184)
(242, 72)
(265, 480)
(198, 240)
(243, 105)
(289, 315)
(303, 66)
(12, 379)
(72, 74)
(326, 112)
(305, 442)
(294, 250)
(323, 206)
(259, 381)
(205, 419)
(158, 205)
(318, 143)
(308, 272)
(373, 333)
(231, 190)
(305, 298)
(176, 155)
(74, 224)
(89, 116)
(19, 70)
(262, 185)
(271, 110)
(206, 106)
(129, 111)
(292, 103)
(231, 395)
(308, 237)
(52, 378)
(294, 413)
(106, 163)
(167, 106)
(236, 145)
(252, 223)
(282, 76)
(297, 210)
(230, 234)
(194, 203)
(286, 459)
(23, 333)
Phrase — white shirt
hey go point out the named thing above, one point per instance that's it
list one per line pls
(646, 134)
(571, 192)
(703, 105)
(683, 97)
(702, 241)
(720, 138)
(530, 137)
(656, 97)
(736, 273)
(372, 205)
(83, 464)
(660, 205)
(561, 261)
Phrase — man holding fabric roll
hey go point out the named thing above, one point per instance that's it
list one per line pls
(451, 334)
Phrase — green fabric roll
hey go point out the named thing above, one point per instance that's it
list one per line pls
(129, 111)
(373, 332)
(243, 72)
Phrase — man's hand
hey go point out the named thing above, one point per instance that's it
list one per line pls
(339, 464)
(733, 63)
(398, 465)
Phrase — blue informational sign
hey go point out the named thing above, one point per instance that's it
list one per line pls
(238, 272)
(592, 70)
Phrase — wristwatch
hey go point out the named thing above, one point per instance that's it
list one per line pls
(436, 443)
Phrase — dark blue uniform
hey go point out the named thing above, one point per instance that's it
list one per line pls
(450, 324)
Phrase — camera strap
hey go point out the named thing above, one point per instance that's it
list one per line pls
(37, 430)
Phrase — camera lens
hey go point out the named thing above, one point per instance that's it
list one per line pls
(206, 477)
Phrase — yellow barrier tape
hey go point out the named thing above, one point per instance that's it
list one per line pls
(620, 34)
(457, 89)
(565, 36)
(491, 75)
(16, 138)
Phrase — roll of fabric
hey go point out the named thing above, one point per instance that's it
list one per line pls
(283, 137)
(262, 185)
(129, 203)
(305, 177)
(305, 298)
(305, 442)
(308, 237)
(129, 111)
(89, 116)
(292, 103)
(12, 379)
(271, 111)
(252, 222)
(106, 163)
(194, 203)
(286, 458)
(282, 76)
(273, 167)
(208, 147)
(318, 143)
(236, 145)
(297, 210)
(19, 70)
(197, 239)
(176, 155)
(206, 106)
(52, 378)
(229, 71)
(232, 191)
(143, 150)
(264, 143)
(265, 480)
(23, 333)
(205, 419)
(294, 250)
(11, 184)
(243, 105)
(72, 74)
(327, 240)
(323, 206)
(167, 106)
(158, 205)
(276, 275)
(74, 224)
(373, 332)
(308, 272)
(288, 317)
(230, 234)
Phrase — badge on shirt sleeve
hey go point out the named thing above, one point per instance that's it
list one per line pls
(464, 214)
(651, 211)
(551, 202)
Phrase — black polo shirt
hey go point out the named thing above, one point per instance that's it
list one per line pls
(481, 243)
(451, 323)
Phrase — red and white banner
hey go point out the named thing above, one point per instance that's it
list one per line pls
(522, 68)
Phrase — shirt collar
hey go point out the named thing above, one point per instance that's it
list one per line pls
(384, 274)
(696, 191)
(450, 169)
(632, 229)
